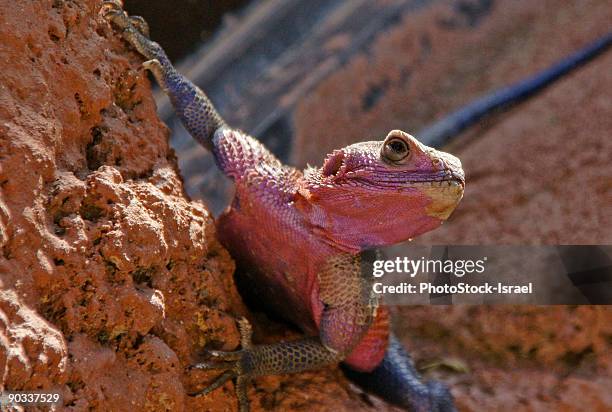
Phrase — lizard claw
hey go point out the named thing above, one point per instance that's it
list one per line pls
(112, 11)
(111, 6)
(141, 25)
(232, 364)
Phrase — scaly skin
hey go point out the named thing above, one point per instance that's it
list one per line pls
(302, 236)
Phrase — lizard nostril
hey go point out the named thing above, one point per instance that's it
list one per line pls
(436, 162)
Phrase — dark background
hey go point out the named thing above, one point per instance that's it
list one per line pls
(181, 26)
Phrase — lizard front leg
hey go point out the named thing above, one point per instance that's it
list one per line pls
(257, 360)
(234, 151)
(349, 310)
(191, 104)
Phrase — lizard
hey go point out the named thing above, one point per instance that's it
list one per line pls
(305, 235)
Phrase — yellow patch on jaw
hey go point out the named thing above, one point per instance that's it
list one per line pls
(444, 199)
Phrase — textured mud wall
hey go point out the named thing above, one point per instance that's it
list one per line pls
(111, 280)
(537, 174)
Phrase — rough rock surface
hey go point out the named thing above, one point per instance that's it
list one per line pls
(537, 174)
(112, 281)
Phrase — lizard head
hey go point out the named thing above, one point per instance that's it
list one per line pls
(379, 193)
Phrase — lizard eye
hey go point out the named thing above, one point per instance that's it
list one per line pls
(395, 149)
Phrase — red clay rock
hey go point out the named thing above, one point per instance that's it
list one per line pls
(37, 352)
(112, 281)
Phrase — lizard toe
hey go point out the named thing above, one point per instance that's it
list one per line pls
(217, 383)
(111, 6)
(234, 367)
(140, 24)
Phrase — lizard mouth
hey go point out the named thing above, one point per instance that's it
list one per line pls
(444, 178)
(452, 182)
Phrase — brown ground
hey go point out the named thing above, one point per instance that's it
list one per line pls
(111, 281)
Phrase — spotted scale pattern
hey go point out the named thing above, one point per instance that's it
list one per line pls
(288, 357)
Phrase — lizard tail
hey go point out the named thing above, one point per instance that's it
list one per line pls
(397, 381)
(441, 131)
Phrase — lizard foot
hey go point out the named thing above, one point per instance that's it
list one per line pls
(135, 30)
(235, 365)
(112, 10)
